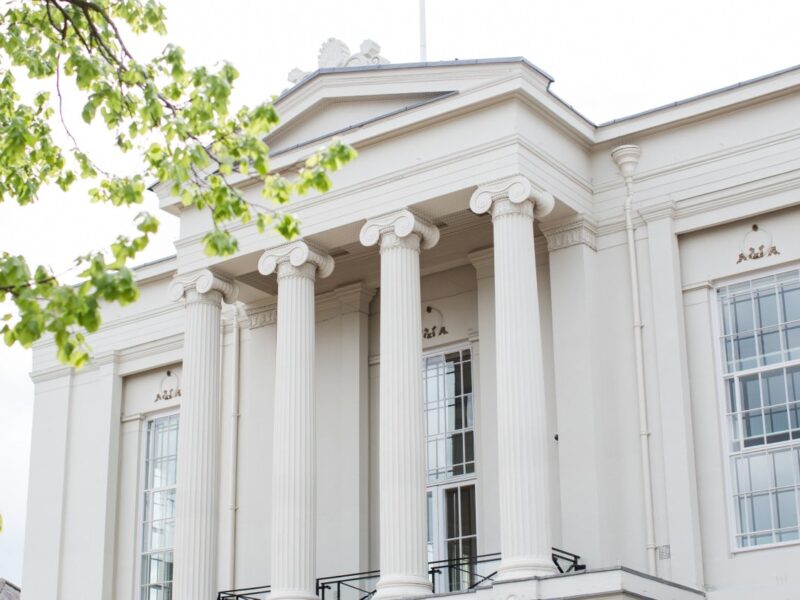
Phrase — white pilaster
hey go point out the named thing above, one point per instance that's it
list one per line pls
(672, 380)
(523, 463)
(293, 543)
(403, 551)
(197, 477)
(571, 247)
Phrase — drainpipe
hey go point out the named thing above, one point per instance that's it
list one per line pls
(627, 159)
(234, 453)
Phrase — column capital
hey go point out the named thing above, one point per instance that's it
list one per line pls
(292, 257)
(571, 232)
(202, 282)
(401, 224)
(516, 192)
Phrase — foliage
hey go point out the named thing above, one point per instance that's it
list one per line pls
(178, 118)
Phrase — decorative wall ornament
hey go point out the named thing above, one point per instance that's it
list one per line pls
(433, 326)
(170, 387)
(757, 244)
(335, 53)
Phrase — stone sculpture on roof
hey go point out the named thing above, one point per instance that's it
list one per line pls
(335, 53)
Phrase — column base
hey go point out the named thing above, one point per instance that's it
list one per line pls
(292, 595)
(392, 587)
(524, 568)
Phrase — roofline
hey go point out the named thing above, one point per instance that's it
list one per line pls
(701, 96)
(412, 65)
(521, 60)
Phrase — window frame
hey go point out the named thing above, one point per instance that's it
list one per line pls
(728, 455)
(144, 420)
(438, 486)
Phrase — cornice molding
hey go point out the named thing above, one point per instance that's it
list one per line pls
(402, 224)
(516, 190)
(295, 255)
(202, 282)
(571, 232)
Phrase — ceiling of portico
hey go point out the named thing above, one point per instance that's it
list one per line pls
(461, 232)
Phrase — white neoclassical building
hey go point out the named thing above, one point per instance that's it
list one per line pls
(515, 354)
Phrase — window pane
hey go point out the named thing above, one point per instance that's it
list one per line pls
(767, 308)
(746, 352)
(451, 513)
(750, 395)
(760, 468)
(770, 347)
(791, 303)
(774, 388)
(468, 510)
(761, 512)
(743, 313)
(786, 509)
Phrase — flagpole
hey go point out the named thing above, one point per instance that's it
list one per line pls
(423, 41)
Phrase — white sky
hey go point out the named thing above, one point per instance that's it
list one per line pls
(609, 59)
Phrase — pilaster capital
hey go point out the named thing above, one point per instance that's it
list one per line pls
(571, 232)
(199, 284)
(400, 224)
(513, 192)
(661, 210)
(296, 258)
(483, 261)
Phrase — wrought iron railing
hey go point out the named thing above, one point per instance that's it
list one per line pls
(252, 593)
(446, 576)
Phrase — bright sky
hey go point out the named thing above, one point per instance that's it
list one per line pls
(609, 59)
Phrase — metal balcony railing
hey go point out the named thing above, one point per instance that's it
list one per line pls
(446, 576)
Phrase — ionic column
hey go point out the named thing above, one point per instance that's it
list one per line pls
(403, 550)
(293, 544)
(197, 478)
(522, 436)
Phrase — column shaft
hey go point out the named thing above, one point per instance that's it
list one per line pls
(521, 419)
(403, 547)
(293, 549)
(403, 554)
(198, 450)
(522, 435)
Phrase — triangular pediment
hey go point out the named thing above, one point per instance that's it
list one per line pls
(334, 116)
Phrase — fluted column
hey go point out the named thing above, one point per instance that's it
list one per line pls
(403, 550)
(293, 543)
(522, 436)
(197, 479)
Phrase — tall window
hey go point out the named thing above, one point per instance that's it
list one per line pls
(452, 531)
(761, 363)
(158, 523)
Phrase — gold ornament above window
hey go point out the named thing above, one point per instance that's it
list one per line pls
(757, 244)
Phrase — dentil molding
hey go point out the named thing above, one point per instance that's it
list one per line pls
(516, 190)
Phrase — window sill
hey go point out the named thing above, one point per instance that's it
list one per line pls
(772, 546)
